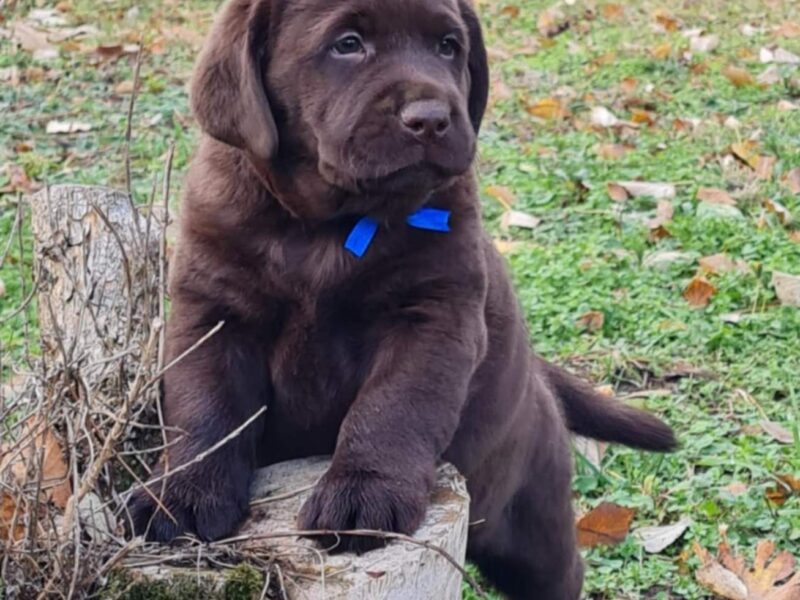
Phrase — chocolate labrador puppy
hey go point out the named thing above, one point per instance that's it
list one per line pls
(331, 221)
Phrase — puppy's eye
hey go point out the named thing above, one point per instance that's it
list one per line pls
(448, 46)
(347, 45)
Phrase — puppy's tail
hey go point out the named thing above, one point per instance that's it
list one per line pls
(593, 415)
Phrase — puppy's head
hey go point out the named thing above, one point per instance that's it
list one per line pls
(346, 107)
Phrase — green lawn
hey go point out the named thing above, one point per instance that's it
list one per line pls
(712, 378)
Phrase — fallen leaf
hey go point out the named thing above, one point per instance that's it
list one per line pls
(662, 51)
(704, 43)
(616, 192)
(736, 488)
(33, 40)
(602, 117)
(612, 12)
(506, 246)
(664, 213)
(778, 56)
(502, 194)
(792, 180)
(591, 321)
(715, 196)
(658, 191)
(770, 76)
(592, 450)
(699, 292)
(552, 22)
(764, 166)
(777, 431)
(612, 151)
(516, 218)
(663, 259)
(788, 29)
(2, 288)
(123, 88)
(738, 76)
(607, 525)
(779, 210)
(549, 109)
(717, 263)
(786, 486)
(39, 439)
(786, 106)
(747, 152)
(795, 236)
(62, 127)
(8, 507)
(787, 288)
(657, 539)
(666, 20)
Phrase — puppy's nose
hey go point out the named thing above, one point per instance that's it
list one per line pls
(426, 118)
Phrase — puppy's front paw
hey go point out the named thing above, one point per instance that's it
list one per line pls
(357, 500)
(210, 513)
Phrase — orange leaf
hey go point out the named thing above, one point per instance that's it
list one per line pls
(612, 151)
(502, 194)
(738, 76)
(608, 525)
(715, 196)
(788, 29)
(549, 109)
(699, 292)
(617, 192)
(662, 51)
(613, 12)
(747, 152)
(666, 20)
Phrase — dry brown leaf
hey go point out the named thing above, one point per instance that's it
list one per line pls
(666, 20)
(612, 151)
(66, 127)
(616, 192)
(602, 117)
(787, 288)
(792, 180)
(736, 488)
(664, 213)
(779, 210)
(738, 76)
(788, 29)
(38, 440)
(704, 43)
(591, 321)
(2, 288)
(787, 106)
(8, 507)
(33, 40)
(613, 12)
(552, 22)
(764, 166)
(787, 486)
(606, 525)
(729, 577)
(699, 292)
(717, 263)
(502, 194)
(747, 152)
(777, 431)
(795, 236)
(715, 196)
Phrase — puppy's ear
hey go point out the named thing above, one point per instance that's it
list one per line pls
(478, 65)
(227, 94)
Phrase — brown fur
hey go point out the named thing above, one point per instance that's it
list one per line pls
(414, 354)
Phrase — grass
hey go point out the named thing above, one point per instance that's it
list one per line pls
(589, 253)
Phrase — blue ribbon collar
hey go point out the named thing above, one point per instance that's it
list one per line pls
(362, 234)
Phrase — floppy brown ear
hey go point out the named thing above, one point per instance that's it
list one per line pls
(478, 65)
(227, 94)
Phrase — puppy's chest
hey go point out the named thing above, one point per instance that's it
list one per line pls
(318, 359)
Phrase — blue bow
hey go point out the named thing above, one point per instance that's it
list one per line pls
(430, 219)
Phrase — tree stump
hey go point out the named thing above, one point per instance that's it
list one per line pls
(99, 269)
(400, 571)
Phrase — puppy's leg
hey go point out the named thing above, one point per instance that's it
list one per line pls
(528, 549)
(208, 394)
(400, 423)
